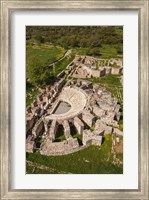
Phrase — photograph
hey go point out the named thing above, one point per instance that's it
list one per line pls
(74, 100)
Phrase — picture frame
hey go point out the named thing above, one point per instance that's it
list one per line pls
(7, 7)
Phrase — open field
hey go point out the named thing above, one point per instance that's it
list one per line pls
(92, 160)
(105, 51)
(46, 54)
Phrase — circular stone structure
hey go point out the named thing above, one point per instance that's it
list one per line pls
(75, 98)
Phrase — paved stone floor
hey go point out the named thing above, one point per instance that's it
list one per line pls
(63, 107)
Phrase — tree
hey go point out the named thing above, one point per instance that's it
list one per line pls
(40, 39)
(93, 52)
(119, 49)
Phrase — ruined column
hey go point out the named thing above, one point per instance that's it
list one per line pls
(38, 128)
(66, 130)
(45, 125)
(52, 131)
(79, 125)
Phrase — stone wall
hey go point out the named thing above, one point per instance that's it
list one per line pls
(30, 121)
(52, 130)
(79, 125)
(60, 148)
(38, 128)
(90, 138)
(88, 66)
(66, 129)
(88, 118)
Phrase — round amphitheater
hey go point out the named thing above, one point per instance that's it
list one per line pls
(86, 107)
(71, 103)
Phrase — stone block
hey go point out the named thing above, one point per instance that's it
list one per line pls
(108, 70)
(66, 129)
(79, 125)
(95, 73)
(97, 140)
(87, 137)
(88, 118)
(98, 111)
(101, 127)
(73, 143)
(118, 132)
(34, 104)
(39, 98)
(90, 138)
(102, 71)
(29, 109)
(38, 128)
(52, 130)
(116, 71)
(30, 120)
(30, 146)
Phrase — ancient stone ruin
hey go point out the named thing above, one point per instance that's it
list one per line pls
(87, 67)
(80, 104)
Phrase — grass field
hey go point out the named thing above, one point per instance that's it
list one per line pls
(109, 51)
(61, 65)
(106, 51)
(46, 54)
(92, 160)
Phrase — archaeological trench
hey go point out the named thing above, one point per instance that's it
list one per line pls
(74, 102)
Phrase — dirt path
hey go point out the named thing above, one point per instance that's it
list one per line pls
(67, 53)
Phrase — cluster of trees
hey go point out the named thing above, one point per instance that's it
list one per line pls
(76, 36)
(89, 37)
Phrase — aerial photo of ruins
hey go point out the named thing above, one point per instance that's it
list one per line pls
(74, 100)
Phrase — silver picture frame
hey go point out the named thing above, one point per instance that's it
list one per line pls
(7, 7)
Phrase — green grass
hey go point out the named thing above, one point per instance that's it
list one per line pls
(109, 79)
(31, 93)
(46, 54)
(92, 160)
(60, 134)
(106, 51)
(61, 65)
(120, 156)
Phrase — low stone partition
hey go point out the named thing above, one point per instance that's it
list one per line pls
(52, 130)
(90, 138)
(116, 71)
(66, 129)
(88, 118)
(60, 148)
(30, 121)
(29, 144)
(38, 128)
(79, 125)
(89, 66)
(102, 128)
